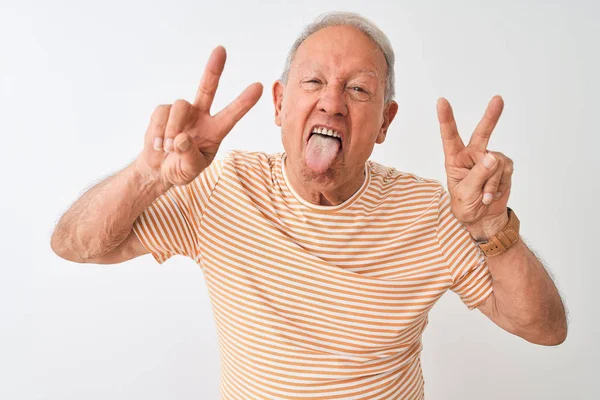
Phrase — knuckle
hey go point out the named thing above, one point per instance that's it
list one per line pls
(176, 117)
(160, 115)
(499, 156)
(161, 110)
(206, 91)
(490, 184)
(501, 163)
(507, 160)
(510, 166)
(181, 103)
(171, 131)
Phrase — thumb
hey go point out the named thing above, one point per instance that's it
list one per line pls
(192, 161)
(182, 142)
(475, 180)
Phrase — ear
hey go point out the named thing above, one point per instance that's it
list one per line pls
(388, 116)
(277, 100)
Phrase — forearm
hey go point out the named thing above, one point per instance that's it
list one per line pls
(525, 298)
(104, 215)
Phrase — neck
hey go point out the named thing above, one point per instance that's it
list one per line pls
(323, 190)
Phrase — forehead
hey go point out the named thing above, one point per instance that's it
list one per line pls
(343, 48)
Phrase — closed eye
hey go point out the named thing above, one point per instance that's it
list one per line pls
(311, 84)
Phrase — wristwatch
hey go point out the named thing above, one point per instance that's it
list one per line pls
(504, 239)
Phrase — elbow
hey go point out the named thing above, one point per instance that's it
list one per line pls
(556, 331)
(545, 329)
(557, 338)
(56, 245)
(547, 337)
(552, 340)
(64, 252)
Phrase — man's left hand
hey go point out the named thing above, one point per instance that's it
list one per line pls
(479, 180)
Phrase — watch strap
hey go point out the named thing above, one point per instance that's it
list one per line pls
(504, 239)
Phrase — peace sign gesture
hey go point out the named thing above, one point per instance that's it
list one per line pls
(479, 181)
(182, 139)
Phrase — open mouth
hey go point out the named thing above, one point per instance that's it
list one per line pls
(327, 133)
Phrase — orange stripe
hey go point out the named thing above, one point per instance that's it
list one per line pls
(314, 302)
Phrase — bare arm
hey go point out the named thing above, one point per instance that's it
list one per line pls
(525, 301)
(102, 219)
(181, 141)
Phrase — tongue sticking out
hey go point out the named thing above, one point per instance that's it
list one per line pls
(321, 151)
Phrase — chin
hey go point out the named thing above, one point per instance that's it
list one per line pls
(323, 179)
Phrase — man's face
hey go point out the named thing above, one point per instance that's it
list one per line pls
(337, 80)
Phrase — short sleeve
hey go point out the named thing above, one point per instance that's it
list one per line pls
(471, 279)
(170, 225)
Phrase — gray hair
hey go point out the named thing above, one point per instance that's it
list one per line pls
(361, 23)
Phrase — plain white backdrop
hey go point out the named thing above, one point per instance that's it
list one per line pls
(80, 80)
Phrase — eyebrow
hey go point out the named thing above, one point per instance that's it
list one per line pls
(368, 72)
(311, 67)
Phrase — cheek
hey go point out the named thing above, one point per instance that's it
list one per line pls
(368, 119)
(294, 114)
(366, 124)
(301, 100)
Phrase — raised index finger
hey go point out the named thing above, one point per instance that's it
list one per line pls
(231, 114)
(210, 79)
(450, 137)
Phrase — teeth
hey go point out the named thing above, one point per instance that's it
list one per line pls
(327, 132)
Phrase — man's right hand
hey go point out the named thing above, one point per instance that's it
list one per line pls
(182, 139)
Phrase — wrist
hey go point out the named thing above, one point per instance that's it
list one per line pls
(150, 178)
(487, 227)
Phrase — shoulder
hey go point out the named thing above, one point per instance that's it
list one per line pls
(393, 181)
(243, 162)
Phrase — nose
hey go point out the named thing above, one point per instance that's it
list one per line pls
(333, 101)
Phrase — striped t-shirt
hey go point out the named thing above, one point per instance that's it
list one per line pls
(317, 302)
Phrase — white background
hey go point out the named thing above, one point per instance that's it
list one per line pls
(80, 80)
